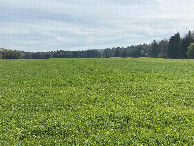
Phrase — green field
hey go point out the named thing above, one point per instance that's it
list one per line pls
(115, 101)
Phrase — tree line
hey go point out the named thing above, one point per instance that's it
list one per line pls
(175, 47)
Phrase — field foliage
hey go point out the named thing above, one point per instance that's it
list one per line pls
(115, 101)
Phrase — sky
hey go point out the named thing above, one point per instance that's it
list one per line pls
(50, 25)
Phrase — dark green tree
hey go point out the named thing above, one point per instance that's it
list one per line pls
(1, 51)
(163, 45)
(11, 54)
(190, 51)
(107, 53)
(187, 40)
(118, 52)
(139, 48)
(154, 49)
(124, 53)
(174, 46)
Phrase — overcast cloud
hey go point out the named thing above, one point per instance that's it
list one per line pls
(45, 25)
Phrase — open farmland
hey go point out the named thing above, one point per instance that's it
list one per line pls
(116, 101)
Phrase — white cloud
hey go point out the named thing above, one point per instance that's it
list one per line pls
(82, 24)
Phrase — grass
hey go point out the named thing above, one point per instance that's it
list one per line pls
(116, 101)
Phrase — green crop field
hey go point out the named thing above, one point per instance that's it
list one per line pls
(115, 101)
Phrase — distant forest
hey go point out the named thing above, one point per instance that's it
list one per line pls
(175, 47)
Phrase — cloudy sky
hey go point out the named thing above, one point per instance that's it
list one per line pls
(45, 25)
